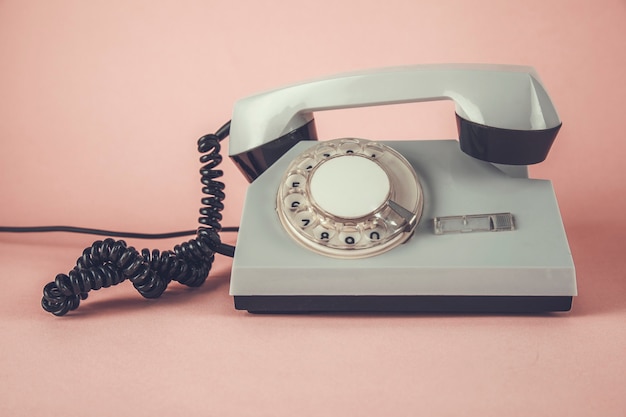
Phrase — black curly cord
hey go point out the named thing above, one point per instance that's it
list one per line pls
(110, 262)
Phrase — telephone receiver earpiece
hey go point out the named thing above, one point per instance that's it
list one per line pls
(504, 115)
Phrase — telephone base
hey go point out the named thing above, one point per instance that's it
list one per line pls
(402, 304)
(525, 270)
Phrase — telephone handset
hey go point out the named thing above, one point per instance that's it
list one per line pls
(504, 115)
(383, 226)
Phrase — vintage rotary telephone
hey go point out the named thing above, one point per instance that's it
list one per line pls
(369, 225)
(358, 225)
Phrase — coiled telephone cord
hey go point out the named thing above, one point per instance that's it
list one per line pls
(109, 262)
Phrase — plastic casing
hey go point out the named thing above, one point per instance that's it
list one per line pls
(533, 260)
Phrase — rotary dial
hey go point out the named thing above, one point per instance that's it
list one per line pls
(350, 198)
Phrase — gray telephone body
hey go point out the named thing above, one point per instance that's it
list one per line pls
(371, 225)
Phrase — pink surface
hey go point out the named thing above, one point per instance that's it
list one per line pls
(100, 106)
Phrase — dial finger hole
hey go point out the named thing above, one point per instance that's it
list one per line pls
(376, 233)
(326, 151)
(349, 237)
(350, 148)
(323, 234)
(305, 219)
(307, 165)
(294, 201)
(373, 151)
(296, 181)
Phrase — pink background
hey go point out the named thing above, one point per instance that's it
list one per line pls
(101, 103)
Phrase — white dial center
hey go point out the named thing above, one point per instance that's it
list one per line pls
(349, 186)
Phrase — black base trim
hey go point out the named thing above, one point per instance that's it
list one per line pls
(403, 304)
